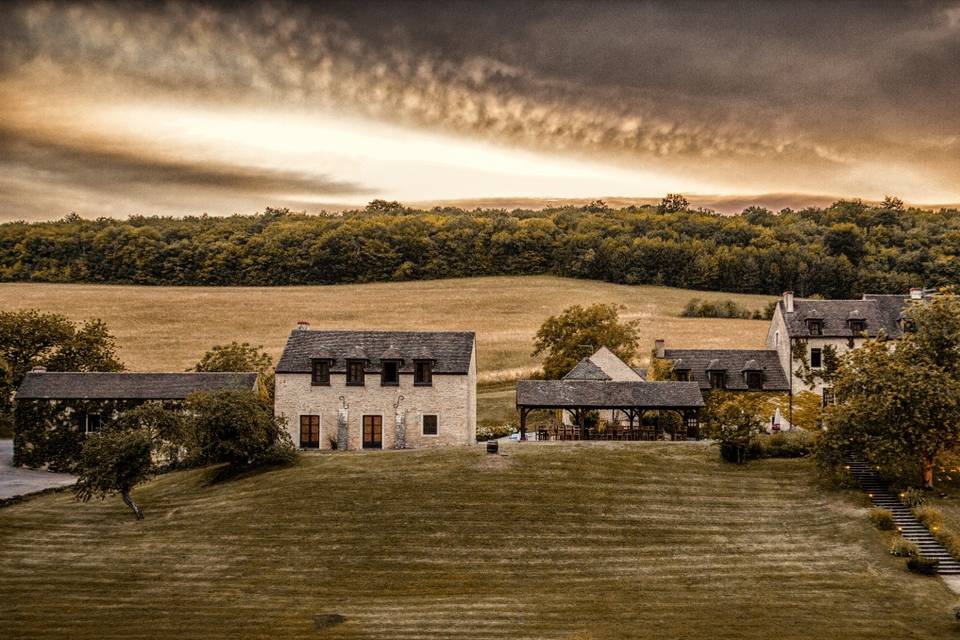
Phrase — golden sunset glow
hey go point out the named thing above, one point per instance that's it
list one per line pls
(188, 108)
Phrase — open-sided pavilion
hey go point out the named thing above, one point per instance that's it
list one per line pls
(631, 398)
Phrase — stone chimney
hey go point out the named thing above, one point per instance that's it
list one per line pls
(916, 293)
(658, 346)
(38, 369)
(303, 325)
(788, 301)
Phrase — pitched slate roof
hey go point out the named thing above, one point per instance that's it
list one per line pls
(451, 351)
(586, 370)
(56, 385)
(733, 361)
(879, 312)
(603, 365)
(606, 394)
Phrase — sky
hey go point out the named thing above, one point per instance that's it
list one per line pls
(115, 109)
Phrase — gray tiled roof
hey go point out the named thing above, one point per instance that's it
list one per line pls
(586, 370)
(601, 394)
(698, 361)
(879, 312)
(451, 351)
(53, 385)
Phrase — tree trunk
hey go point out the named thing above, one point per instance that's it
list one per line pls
(127, 500)
(928, 474)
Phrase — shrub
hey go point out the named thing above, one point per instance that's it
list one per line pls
(696, 308)
(492, 432)
(882, 519)
(236, 427)
(923, 565)
(930, 517)
(795, 444)
(913, 497)
(949, 540)
(903, 548)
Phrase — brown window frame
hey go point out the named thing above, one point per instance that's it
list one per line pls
(420, 380)
(816, 354)
(312, 424)
(320, 372)
(857, 326)
(352, 379)
(682, 375)
(383, 373)
(372, 424)
(436, 424)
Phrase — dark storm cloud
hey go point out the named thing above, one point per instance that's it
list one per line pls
(122, 170)
(730, 88)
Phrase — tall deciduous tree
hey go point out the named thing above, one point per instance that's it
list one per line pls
(673, 203)
(567, 338)
(901, 407)
(29, 338)
(114, 461)
(238, 356)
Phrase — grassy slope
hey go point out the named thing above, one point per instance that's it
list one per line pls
(169, 328)
(615, 540)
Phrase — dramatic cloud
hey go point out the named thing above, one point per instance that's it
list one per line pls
(852, 99)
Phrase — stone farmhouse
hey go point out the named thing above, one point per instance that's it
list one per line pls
(55, 410)
(802, 330)
(378, 389)
(727, 369)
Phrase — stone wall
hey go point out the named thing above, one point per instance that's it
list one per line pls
(451, 397)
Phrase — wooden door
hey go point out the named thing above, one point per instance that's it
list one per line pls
(372, 432)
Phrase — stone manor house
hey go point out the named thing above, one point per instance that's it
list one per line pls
(378, 389)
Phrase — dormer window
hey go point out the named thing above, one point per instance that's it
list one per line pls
(753, 375)
(320, 372)
(682, 375)
(423, 373)
(856, 322)
(355, 372)
(718, 379)
(390, 373)
(815, 326)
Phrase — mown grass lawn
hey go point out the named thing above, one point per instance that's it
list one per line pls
(584, 540)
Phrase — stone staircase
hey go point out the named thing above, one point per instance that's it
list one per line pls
(909, 526)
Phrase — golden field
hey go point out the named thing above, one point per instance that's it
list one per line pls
(169, 328)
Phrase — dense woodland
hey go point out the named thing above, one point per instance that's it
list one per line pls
(839, 251)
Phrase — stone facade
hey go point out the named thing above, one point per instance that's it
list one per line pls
(451, 397)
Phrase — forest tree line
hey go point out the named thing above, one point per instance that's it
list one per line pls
(838, 251)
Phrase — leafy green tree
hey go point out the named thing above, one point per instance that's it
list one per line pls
(236, 427)
(900, 407)
(578, 331)
(735, 420)
(114, 461)
(238, 356)
(845, 239)
(29, 338)
(673, 203)
(166, 427)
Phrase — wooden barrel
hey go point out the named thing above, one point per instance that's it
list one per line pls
(493, 446)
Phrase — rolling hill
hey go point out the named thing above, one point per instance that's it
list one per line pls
(588, 540)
